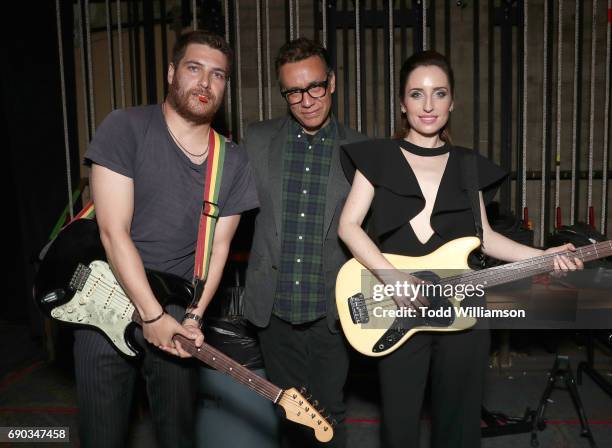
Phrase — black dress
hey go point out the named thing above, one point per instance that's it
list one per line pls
(455, 363)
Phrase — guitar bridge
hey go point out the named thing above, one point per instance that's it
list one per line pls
(358, 309)
(79, 278)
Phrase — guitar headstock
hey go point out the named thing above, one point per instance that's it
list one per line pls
(299, 410)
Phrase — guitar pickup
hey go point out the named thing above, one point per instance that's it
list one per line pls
(358, 309)
(79, 277)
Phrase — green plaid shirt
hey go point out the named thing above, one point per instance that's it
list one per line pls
(300, 295)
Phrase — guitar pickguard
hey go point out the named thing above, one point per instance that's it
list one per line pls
(98, 301)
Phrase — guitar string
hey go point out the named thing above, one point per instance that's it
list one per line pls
(584, 252)
(114, 295)
(117, 294)
(118, 297)
(509, 274)
(531, 266)
(234, 369)
(544, 259)
(242, 372)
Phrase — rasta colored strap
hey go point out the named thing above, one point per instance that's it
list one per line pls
(210, 213)
(87, 212)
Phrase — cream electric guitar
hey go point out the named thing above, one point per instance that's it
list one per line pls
(373, 327)
(75, 285)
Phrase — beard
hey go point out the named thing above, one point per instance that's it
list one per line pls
(180, 99)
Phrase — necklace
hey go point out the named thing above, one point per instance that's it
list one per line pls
(177, 141)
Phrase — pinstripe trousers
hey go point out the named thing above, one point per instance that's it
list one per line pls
(105, 387)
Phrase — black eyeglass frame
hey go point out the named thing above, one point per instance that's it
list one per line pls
(325, 84)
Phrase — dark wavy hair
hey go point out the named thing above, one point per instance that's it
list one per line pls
(203, 37)
(298, 50)
(424, 59)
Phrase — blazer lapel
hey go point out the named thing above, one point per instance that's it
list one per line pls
(275, 166)
(337, 185)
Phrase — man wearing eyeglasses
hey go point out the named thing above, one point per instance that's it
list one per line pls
(296, 253)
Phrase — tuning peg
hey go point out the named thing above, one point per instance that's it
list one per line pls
(321, 411)
(333, 422)
(315, 403)
(303, 390)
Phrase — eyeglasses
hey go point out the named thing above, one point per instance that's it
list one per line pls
(315, 90)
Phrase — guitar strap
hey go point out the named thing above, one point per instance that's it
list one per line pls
(208, 216)
(470, 180)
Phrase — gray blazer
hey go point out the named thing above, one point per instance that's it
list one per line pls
(264, 143)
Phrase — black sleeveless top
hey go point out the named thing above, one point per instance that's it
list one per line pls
(398, 197)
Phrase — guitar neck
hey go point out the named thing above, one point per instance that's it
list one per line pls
(223, 363)
(518, 270)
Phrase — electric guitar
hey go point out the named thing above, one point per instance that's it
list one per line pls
(75, 285)
(375, 325)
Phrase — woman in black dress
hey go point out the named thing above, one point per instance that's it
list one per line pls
(414, 189)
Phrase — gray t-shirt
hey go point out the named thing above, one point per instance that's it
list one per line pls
(168, 187)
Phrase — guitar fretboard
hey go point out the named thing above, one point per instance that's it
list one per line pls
(510, 272)
(223, 363)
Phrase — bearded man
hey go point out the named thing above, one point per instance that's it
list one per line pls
(147, 180)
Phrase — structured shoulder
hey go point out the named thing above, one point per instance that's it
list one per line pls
(263, 127)
(351, 135)
(376, 159)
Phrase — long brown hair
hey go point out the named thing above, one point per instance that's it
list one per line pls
(424, 59)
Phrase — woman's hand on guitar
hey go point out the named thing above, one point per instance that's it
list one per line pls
(161, 332)
(405, 285)
(563, 262)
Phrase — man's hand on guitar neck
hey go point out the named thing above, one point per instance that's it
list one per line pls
(161, 333)
(194, 328)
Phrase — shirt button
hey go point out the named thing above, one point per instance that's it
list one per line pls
(307, 169)
(309, 146)
(323, 139)
(299, 260)
(297, 282)
(299, 135)
(300, 237)
(305, 191)
(302, 215)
